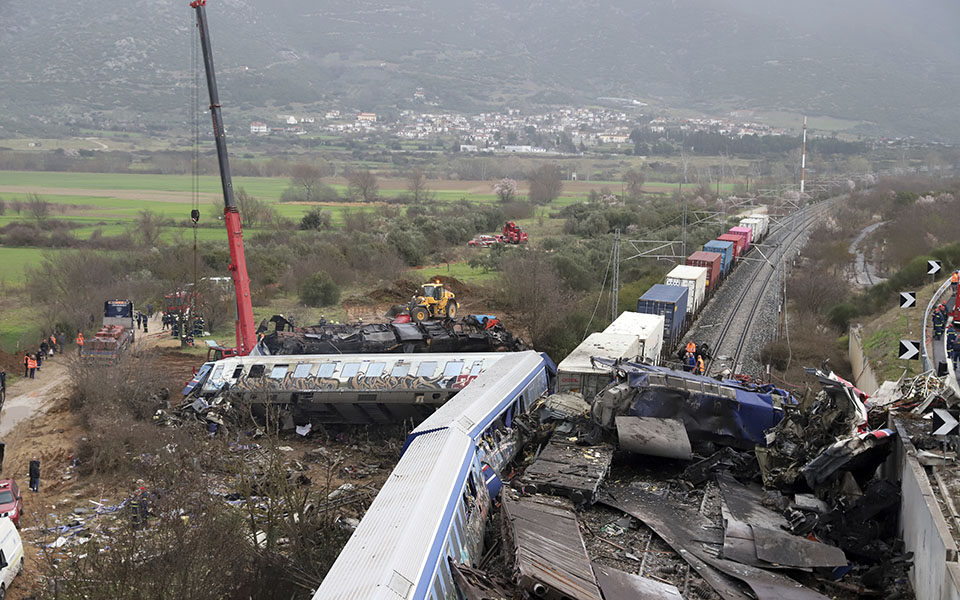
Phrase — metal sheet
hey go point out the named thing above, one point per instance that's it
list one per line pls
(548, 549)
(680, 528)
(782, 548)
(569, 470)
(666, 438)
(746, 504)
(620, 585)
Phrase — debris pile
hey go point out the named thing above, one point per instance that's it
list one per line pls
(468, 334)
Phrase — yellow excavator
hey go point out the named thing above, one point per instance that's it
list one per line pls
(434, 302)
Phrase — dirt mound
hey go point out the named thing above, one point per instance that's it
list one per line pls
(10, 362)
(453, 284)
(399, 291)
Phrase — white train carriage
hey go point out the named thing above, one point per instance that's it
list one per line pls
(434, 506)
(345, 388)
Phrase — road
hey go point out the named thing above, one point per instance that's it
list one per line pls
(28, 398)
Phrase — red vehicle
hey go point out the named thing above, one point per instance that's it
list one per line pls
(512, 234)
(484, 241)
(11, 503)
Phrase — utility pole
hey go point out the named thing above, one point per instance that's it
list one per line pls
(803, 156)
(615, 287)
(683, 231)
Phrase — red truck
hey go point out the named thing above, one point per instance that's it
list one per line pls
(116, 335)
(512, 234)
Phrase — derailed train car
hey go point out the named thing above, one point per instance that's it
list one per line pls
(339, 388)
(431, 512)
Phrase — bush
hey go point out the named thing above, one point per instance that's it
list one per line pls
(315, 220)
(319, 290)
(841, 314)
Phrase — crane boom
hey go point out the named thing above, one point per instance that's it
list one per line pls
(246, 335)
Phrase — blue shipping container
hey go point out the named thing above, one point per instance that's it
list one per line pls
(669, 301)
(725, 250)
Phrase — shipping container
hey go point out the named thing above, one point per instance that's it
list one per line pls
(711, 261)
(692, 278)
(747, 235)
(737, 240)
(648, 328)
(725, 250)
(577, 373)
(765, 219)
(757, 226)
(671, 302)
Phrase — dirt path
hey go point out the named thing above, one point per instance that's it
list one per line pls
(28, 398)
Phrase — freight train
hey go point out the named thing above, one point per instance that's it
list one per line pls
(687, 287)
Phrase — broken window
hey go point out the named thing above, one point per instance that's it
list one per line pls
(217, 370)
(350, 370)
(237, 372)
(375, 369)
(327, 369)
(302, 370)
(400, 370)
(427, 369)
(279, 371)
(453, 368)
(257, 370)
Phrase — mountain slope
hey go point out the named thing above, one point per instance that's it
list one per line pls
(876, 60)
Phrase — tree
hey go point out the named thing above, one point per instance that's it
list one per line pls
(149, 227)
(506, 190)
(39, 208)
(546, 182)
(364, 185)
(634, 179)
(3, 207)
(253, 211)
(319, 290)
(417, 186)
(315, 219)
(308, 178)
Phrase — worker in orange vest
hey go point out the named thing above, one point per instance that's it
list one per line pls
(80, 344)
(691, 347)
(700, 368)
(954, 279)
(32, 364)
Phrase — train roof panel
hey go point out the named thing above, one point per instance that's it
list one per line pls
(475, 403)
(385, 556)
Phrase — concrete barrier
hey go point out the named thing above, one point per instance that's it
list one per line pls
(935, 574)
(863, 375)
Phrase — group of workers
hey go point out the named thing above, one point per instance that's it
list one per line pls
(940, 321)
(33, 361)
(693, 361)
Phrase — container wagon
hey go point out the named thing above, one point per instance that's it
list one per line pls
(578, 373)
(738, 244)
(747, 237)
(671, 302)
(648, 328)
(695, 280)
(711, 261)
(725, 250)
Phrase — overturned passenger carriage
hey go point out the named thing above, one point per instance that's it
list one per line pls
(339, 388)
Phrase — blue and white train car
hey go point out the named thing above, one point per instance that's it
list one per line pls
(434, 506)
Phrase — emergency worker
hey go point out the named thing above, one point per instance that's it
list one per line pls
(691, 347)
(80, 343)
(954, 279)
(691, 362)
(700, 368)
(939, 321)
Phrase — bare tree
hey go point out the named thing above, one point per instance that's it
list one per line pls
(17, 206)
(546, 183)
(255, 212)
(364, 185)
(634, 178)
(3, 206)
(535, 292)
(506, 190)
(306, 176)
(417, 186)
(39, 208)
(149, 228)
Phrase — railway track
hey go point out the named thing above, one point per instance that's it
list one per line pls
(730, 343)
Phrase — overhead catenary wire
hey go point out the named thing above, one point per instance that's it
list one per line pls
(603, 286)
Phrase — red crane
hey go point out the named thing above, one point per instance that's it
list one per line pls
(246, 332)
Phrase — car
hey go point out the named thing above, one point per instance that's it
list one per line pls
(11, 554)
(11, 502)
(484, 241)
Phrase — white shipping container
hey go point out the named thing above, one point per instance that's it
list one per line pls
(692, 278)
(761, 222)
(754, 226)
(764, 219)
(576, 373)
(648, 328)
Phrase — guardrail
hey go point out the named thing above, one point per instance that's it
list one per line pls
(928, 350)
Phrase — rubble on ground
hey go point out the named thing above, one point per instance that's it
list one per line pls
(473, 333)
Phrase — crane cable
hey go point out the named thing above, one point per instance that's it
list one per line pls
(195, 162)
